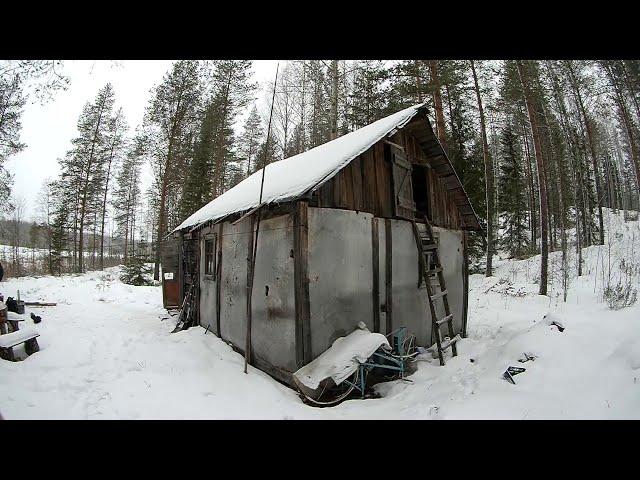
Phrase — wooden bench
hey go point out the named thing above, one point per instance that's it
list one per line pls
(8, 341)
(13, 319)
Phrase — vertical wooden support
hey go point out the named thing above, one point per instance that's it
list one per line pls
(250, 266)
(375, 263)
(219, 279)
(181, 270)
(388, 278)
(301, 279)
(465, 283)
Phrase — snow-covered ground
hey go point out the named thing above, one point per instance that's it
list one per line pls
(105, 354)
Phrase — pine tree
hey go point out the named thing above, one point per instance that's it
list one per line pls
(126, 195)
(136, 270)
(512, 197)
(60, 211)
(249, 141)
(170, 116)
(18, 78)
(83, 166)
(115, 145)
(488, 174)
(367, 97)
(526, 75)
(198, 183)
(231, 90)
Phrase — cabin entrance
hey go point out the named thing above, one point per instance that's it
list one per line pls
(421, 190)
(171, 273)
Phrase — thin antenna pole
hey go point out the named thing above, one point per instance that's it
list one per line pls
(252, 260)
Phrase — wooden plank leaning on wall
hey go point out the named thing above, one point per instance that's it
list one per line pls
(375, 262)
(388, 277)
(465, 283)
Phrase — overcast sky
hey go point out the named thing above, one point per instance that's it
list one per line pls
(47, 130)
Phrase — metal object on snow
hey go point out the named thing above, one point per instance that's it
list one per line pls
(510, 372)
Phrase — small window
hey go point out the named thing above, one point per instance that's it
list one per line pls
(210, 256)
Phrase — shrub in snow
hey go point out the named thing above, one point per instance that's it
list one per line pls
(620, 295)
(136, 271)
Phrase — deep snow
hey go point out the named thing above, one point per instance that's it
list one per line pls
(106, 354)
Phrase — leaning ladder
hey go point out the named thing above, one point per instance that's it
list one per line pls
(431, 269)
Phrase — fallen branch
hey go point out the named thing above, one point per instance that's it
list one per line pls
(40, 304)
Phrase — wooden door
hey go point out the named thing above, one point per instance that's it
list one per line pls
(170, 262)
(402, 185)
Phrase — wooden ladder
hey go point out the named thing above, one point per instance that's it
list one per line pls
(430, 269)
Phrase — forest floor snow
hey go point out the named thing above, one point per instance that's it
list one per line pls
(105, 353)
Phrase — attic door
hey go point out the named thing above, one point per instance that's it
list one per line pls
(402, 187)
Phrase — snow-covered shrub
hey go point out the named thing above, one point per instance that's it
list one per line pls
(136, 271)
(620, 296)
(630, 269)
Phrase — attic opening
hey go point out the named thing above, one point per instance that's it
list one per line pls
(421, 190)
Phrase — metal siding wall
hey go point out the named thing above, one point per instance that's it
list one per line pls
(274, 315)
(410, 304)
(340, 274)
(452, 259)
(233, 312)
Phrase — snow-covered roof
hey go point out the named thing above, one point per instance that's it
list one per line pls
(294, 176)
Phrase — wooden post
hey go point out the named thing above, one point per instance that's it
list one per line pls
(219, 279)
(465, 283)
(375, 263)
(301, 281)
(250, 267)
(388, 277)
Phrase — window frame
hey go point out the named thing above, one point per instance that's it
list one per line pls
(209, 257)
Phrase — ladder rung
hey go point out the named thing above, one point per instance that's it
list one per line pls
(438, 295)
(448, 343)
(445, 319)
(429, 246)
(433, 271)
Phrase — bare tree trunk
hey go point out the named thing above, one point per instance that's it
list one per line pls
(416, 64)
(333, 71)
(162, 213)
(544, 213)
(488, 175)
(627, 125)
(104, 202)
(591, 143)
(533, 225)
(437, 102)
(85, 188)
(218, 183)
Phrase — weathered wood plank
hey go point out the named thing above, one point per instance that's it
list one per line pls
(356, 179)
(219, 277)
(375, 263)
(465, 284)
(388, 277)
(301, 284)
(250, 267)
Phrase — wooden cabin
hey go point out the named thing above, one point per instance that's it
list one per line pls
(336, 245)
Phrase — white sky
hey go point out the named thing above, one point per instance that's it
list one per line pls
(47, 130)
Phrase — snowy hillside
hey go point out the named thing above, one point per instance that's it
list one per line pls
(105, 354)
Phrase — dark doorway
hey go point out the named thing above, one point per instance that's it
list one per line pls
(421, 190)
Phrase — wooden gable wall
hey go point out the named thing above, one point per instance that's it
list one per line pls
(366, 184)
